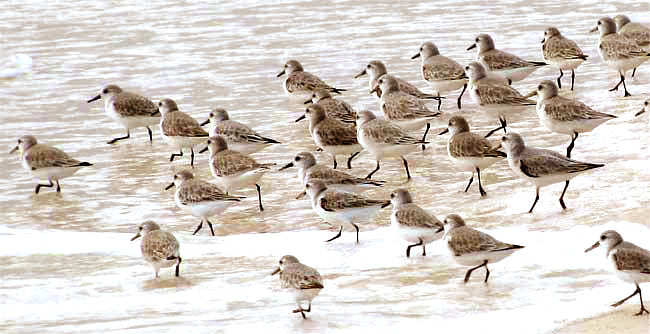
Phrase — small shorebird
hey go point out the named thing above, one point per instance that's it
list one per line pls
(301, 83)
(442, 73)
(201, 198)
(46, 162)
(331, 135)
(375, 69)
(240, 137)
(510, 66)
(383, 139)
(309, 169)
(635, 31)
(304, 281)
(412, 222)
(631, 262)
(180, 129)
(405, 110)
(341, 207)
(541, 167)
(469, 151)
(617, 51)
(159, 248)
(493, 96)
(128, 109)
(234, 170)
(334, 108)
(563, 115)
(562, 53)
(469, 247)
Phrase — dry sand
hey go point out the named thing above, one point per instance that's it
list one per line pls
(621, 320)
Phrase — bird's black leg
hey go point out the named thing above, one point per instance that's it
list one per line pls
(38, 186)
(480, 186)
(570, 148)
(566, 185)
(210, 225)
(469, 272)
(337, 235)
(259, 196)
(408, 248)
(406, 166)
(559, 82)
(198, 228)
(150, 134)
(174, 155)
(425, 134)
(373, 172)
(352, 157)
(536, 199)
(356, 227)
(470, 182)
(112, 141)
(461, 94)
(573, 78)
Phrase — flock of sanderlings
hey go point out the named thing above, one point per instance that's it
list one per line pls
(338, 129)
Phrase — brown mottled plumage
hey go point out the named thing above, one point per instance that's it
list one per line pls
(159, 248)
(303, 279)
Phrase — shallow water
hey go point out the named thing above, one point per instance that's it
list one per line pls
(68, 264)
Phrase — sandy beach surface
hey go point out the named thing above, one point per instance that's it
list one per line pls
(620, 320)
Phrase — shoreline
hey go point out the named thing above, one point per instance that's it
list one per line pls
(620, 320)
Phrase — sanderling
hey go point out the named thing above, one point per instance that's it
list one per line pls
(541, 167)
(510, 66)
(334, 108)
(469, 151)
(631, 262)
(332, 135)
(375, 69)
(635, 31)
(469, 247)
(201, 198)
(159, 248)
(563, 115)
(234, 170)
(562, 53)
(646, 107)
(301, 83)
(412, 222)
(180, 129)
(383, 138)
(493, 96)
(442, 73)
(304, 281)
(341, 207)
(618, 51)
(405, 110)
(46, 162)
(128, 109)
(309, 169)
(240, 137)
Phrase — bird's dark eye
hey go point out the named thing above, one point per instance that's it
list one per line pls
(160, 104)
(598, 22)
(646, 103)
(421, 49)
(297, 159)
(504, 138)
(477, 39)
(368, 66)
(175, 177)
(392, 195)
(602, 237)
(105, 91)
(307, 185)
(466, 68)
(539, 87)
(381, 81)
